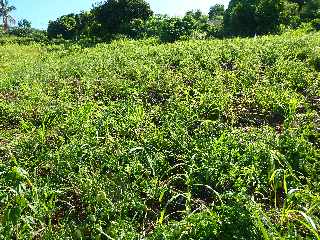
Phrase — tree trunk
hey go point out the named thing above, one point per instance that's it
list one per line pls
(5, 24)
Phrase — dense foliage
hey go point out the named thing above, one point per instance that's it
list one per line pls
(104, 21)
(169, 29)
(69, 26)
(192, 140)
(250, 17)
(134, 19)
(114, 16)
(216, 12)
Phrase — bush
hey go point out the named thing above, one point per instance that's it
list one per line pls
(316, 24)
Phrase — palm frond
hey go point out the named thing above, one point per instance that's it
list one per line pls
(11, 20)
(11, 8)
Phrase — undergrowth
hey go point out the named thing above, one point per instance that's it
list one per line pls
(215, 139)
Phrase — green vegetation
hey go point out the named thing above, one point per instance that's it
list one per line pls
(214, 139)
(114, 19)
(198, 139)
(250, 17)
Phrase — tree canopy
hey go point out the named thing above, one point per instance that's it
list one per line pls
(114, 16)
(135, 19)
(216, 12)
(250, 17)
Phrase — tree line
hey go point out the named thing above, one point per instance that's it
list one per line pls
(135, 19)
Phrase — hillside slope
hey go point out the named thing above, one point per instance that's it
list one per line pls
(198, 140)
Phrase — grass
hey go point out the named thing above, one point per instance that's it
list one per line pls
(215, 139)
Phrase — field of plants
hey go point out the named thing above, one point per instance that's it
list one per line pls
(214, 139)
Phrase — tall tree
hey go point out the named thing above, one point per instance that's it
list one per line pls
(250, 17)
(196, 14)
(239, 18)
(73, 26)
(267, 16)
(115, 16)
(66, 26)
(216, 12)
(290, 14)
(310, 10)
(5, 10)
(295, 12)
(24, 24)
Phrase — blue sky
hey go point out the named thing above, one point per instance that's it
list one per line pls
(39, 12)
